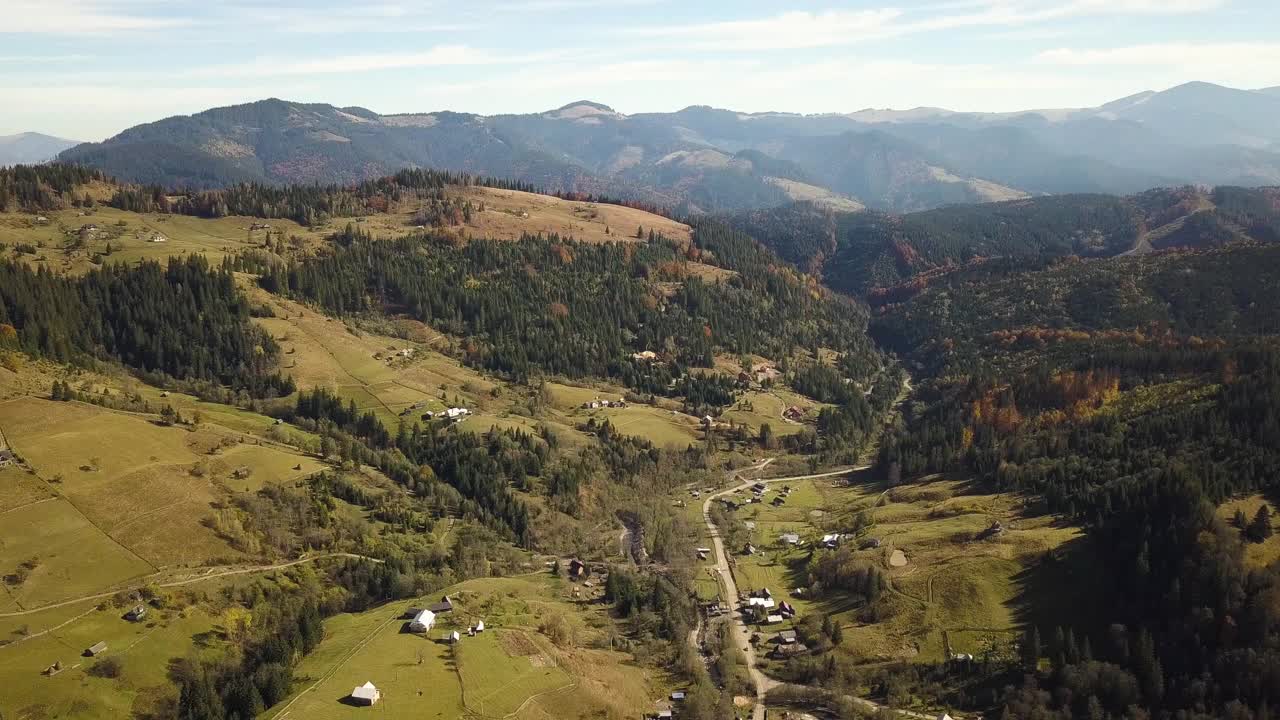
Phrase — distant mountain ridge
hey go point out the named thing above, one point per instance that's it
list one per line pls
(31, 147)
(703, 159)
(885, 256)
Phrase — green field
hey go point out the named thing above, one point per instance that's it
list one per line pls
(71, 556)
(954, 589)
(510, 668)
(31, 643)
(148, 488)
(131, 241)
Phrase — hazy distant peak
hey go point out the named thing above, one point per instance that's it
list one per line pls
(877, 115)
(584, 110)
(31, 147)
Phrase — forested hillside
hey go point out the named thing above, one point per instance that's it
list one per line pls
(1132, 395)
(870, 254)
(185, 322)
(553, 305)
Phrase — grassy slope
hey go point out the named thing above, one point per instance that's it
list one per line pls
(971, 592)
(511, 667)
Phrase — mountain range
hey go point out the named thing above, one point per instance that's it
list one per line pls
(31, 147)
(705, 159)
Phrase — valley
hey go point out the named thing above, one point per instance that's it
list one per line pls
(624, 442)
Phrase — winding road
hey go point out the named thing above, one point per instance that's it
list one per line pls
(741, 633)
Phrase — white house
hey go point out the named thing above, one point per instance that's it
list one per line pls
(422, 622)
(790, 538)
(831, 540)
(455, 413)
(454, 636)
(479, 626)
(366, 694)
(772, 619)
(765, 603)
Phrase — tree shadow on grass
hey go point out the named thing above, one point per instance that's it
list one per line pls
(1055, 590)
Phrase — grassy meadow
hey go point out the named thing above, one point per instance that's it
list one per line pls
(513, 669)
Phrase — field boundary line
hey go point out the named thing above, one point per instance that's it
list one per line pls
(337, 666)
(33, 502)
(49, 486)
(189, 581)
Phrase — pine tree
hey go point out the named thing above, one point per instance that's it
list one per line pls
(1260, 529)
(1031, 648)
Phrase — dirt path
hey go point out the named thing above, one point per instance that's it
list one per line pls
(741, 634)
(188, 581)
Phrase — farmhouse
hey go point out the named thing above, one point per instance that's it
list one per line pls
(786, 609)
(830, 541)
(778, 501)
(445, 605)
(761, 602)
(95, 649)
(578, 569)
(790, 538)
(786, 637)
(157, 238)
(137, 613)
(789, 650)
(678, 696)
(645, 355)
(479, 626)
(772, 619)
(366, 694)
(749, 549)
(422, 622)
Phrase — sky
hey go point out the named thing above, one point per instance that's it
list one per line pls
(87, 69)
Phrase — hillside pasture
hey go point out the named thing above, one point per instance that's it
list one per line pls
(511, 669)
(959, 589)
(510, 213)
(65, 554)
(148, 488)
(61, 248)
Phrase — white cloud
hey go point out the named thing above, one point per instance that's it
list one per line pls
(440, 56)
(797, 29)
(1168, 55)
(789, 30)
(79, 17)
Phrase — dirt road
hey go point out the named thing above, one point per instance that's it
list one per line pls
(741, 634)
(188, 581)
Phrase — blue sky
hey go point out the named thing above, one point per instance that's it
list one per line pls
(87, 69)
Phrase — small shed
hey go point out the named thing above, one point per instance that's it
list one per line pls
(366, 694)
(95, 649)
(790, 538)
(479, 627)
(453, 637)
(678, 696)
(773, 620)
(445, 605)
